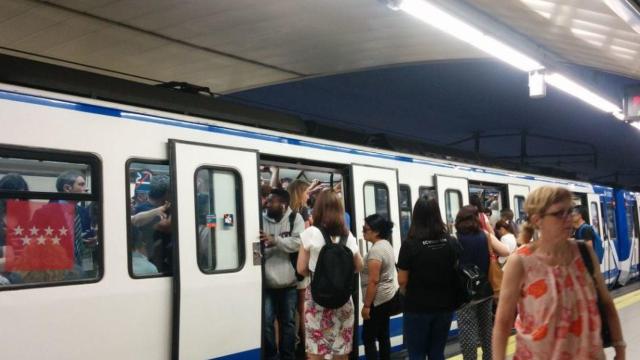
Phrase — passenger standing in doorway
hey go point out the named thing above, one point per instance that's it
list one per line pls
(475, 319)
(426, 273)
(328, 332)
(556, 296)
(506, 214)
(378, 281)
(299, 196)
(586, 232)
(280, 297)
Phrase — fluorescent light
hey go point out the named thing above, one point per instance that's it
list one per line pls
(467, 33)
(572, 88)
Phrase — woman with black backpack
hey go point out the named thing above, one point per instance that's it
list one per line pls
(329, 253)
(427, 274)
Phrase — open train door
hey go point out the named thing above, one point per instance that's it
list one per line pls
(595, 219)
(375, 190)
(453, 193)
(217, 287)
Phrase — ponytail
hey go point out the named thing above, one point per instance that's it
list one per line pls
(526, 233)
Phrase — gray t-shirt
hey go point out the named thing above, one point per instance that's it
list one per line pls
(387, 287)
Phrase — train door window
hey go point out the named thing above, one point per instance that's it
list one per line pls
(376, 199)
(595, 216)
(219, 220)
(51, 231)
(405, 210)
(150, 238)
(492, 197)
(611, 221)
(519, 212)
(428, 191)
(631, 223)
(452, 203)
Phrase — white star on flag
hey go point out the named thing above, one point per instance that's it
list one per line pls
(55, 240)
(41, 240)
(48, 230)
(63, 231)
(26, 241)
(18, 230)
(34, 231)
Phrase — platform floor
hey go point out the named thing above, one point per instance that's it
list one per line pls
(627, 300)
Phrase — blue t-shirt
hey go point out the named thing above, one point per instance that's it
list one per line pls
(475, 250)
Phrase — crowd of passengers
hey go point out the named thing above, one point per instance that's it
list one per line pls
(548, 288)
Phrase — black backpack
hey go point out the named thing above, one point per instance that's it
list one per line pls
(473, 285)
(293, 257)
(332, 280)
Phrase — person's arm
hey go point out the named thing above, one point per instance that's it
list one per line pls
(498, 247)
(403, 279)
(275, 177)
(302, 266)
(374, 267)
(145, 217)
(613, 319)
(505, 314)
(291, 243)
(357, 261)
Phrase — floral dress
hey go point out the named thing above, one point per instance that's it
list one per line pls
(557, 313)
(328, 331)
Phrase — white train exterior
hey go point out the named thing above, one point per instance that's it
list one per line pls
(193, 314)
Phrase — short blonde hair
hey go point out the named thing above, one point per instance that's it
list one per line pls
(538, 202)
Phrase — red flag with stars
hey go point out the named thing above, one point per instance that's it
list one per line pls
(41, 235)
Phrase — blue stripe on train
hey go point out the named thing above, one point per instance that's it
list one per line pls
(113, 112)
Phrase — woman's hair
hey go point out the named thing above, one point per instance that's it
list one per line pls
(296, 191)
(504, 224)
(328, 213)
(467, 220)
(538, 201)
(477, 202)
(426, 222)
(13, 181)
(380, 225)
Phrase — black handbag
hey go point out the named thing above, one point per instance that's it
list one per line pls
(605, 332)
(396, 306)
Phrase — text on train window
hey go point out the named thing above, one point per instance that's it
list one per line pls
(50, 217)
(219, 220)
(150, 231)
(405, 210)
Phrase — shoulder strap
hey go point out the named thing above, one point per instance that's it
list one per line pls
(343, 240)
(292, 220)
(327, 238)
(586, 258)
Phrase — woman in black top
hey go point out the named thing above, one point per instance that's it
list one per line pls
(475, 319)
(426, 274)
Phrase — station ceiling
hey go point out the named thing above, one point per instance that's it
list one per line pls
(361, 65)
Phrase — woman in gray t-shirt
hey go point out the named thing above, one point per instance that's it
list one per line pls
(379, 286)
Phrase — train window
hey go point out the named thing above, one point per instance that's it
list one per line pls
(219, 220)
(595, 216)
(611, 221)
(631, 229)
(50, 213)
(428, 191)
(521, 216)
(150, 238)
(452, 203)
(376, 199)
(405, 210)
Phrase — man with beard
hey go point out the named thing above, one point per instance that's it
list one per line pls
(280, 238)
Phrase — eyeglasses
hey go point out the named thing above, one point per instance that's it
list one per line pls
(560, 214)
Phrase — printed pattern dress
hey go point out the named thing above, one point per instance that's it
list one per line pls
(328, 331)
(558, 317)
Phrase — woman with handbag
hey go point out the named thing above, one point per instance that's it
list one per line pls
(561, 305)
(478, 248)
(427, 275)
(379, 287)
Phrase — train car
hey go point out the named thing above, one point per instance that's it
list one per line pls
(90, 289)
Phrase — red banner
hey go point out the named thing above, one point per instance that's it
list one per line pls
(40, 234)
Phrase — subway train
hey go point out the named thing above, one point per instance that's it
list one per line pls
(76, 283)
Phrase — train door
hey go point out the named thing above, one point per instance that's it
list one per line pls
(375, 190)
(217, 286)
(627, 244)
(609, 266)
(517, 195)
(593, 201)
(636, 212)
(453, 193)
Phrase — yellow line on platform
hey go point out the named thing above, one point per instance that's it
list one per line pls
(621, 302)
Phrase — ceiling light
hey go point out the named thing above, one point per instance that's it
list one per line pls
(572, 88)
(467, 33)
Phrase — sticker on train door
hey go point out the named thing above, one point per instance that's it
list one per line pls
(211, 221)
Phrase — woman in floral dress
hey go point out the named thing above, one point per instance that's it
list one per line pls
(555, 295)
